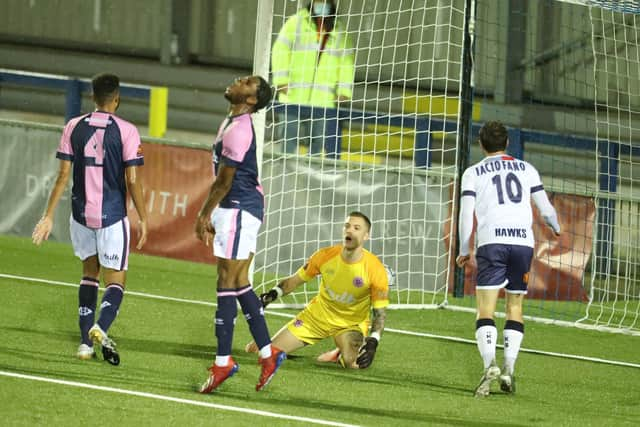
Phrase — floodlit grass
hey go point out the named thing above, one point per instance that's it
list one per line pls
(167, 345)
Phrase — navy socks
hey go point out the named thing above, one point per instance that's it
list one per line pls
(225, 320)
(87, 300)
(254, 313)
(110, 305)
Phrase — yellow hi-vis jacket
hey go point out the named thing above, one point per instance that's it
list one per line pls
(314, 77)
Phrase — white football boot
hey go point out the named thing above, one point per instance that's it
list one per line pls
(490, 375)
(85, 352)
(507, 381)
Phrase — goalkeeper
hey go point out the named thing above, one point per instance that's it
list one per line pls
(353, 281)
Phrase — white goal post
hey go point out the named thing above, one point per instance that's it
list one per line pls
(395, 145)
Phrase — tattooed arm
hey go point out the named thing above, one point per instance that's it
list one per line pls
(368, 350)
(377, 324)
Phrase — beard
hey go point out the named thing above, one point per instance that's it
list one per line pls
(234, 99)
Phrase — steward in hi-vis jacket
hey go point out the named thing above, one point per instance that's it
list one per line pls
(312, 59)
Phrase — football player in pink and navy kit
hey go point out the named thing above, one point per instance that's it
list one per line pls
(499, 190)
(230, 219)
(102, 153)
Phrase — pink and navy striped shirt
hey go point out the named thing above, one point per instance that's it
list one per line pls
(235, 144)
(100, 145)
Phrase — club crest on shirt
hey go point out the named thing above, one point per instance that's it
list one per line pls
(297, 323)
(358, 282)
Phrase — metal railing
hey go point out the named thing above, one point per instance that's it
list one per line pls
(74, 87)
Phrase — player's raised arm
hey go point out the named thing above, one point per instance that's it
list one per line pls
(43, 228)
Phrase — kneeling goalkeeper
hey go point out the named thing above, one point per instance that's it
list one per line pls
(353, 281)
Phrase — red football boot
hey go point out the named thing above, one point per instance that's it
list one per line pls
(269, 367)
(218, 375)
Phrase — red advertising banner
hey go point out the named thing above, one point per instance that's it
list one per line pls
(558, 264)
(176, 182)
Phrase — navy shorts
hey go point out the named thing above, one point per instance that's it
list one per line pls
(504, 266)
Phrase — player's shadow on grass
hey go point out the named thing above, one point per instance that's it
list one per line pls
(160, 347)
(40, 356)
(424, 418)
(164, 347)
(378, 376)
(196, 351)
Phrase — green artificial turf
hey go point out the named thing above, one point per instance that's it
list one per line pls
(166, 346)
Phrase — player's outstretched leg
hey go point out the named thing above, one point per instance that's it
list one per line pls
(218, 375)
(269, 366)
(490, 375)
(109, 352)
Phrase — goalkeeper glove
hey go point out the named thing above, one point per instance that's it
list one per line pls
(269, 297)
(367, 352)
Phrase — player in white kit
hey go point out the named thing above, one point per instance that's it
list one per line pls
(499, 189)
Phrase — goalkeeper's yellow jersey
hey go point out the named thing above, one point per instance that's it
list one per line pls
(348, 291)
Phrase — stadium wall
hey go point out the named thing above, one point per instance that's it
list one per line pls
(212, 44)
(176, 179)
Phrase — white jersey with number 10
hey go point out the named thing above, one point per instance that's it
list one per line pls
(499, 189)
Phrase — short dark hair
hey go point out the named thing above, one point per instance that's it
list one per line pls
(264, 93)
(493, 136)
(363, 216)
(105, 87)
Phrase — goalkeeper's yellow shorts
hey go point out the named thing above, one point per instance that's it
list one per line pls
(311, 325)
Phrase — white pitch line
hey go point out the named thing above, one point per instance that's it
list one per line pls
(139, 294)
(397, 331)
(525, 350)
(175, 399)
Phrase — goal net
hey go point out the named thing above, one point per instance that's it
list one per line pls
(382, 118)
(569, 74)
(615, 282)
